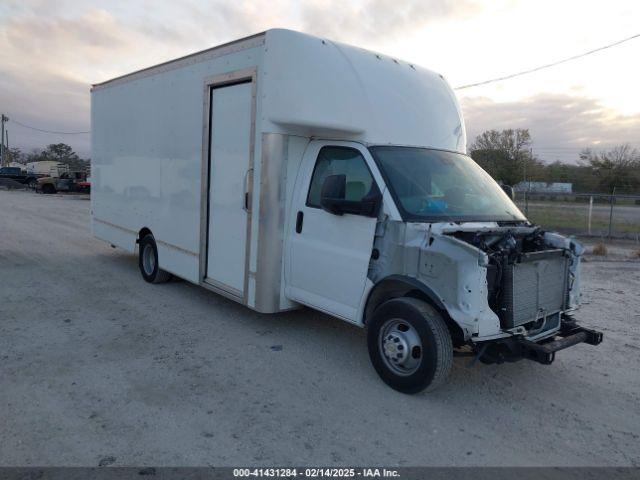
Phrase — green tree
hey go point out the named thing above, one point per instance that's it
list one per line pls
(59, 152)
(617, 168)
(505, 155)
(34, 155)
(15, 155)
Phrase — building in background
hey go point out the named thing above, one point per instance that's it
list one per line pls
(543, 187)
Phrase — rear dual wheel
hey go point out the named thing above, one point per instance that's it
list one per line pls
(148, 261)
(410, 345)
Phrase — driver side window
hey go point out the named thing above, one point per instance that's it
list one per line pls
(340, 161)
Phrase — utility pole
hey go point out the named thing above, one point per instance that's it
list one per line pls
(527, 184)
(3, 119)
(612, 200)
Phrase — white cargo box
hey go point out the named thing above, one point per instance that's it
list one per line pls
(204, 151)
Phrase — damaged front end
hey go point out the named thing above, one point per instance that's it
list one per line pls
(533, 286)
(510, 288)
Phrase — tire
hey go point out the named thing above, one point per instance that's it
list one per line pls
(32, 183)
(48, 188)
(410, 345)
(148, 261)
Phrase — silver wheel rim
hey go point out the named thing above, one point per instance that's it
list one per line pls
(148, 259)
(400, 346)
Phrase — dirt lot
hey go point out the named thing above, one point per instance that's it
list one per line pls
(98, 366)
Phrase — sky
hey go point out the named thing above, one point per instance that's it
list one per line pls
(52, 51)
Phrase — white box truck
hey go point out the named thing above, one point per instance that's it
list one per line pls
(283, 170)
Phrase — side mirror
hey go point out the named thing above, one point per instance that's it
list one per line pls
(332, 198)
(508, 189)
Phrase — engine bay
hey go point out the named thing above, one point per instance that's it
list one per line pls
(527, 278)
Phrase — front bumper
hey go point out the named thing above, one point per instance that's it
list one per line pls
(515, 348)
(569, 335)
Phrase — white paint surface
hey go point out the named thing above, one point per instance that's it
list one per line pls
(329, 258)
(323, 88)
(147, 148)
(230, 149)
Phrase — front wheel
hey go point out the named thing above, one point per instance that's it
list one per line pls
(410, 345)
(48, 188)
(148, 261)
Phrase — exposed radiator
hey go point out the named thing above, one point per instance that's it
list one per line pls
(534, 287)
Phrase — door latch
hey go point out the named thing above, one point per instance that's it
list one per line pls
(299, 220)
(245, 195)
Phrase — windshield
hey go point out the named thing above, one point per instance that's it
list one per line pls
(435, 185)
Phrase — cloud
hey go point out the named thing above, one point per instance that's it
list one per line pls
(52, 52)
(374, 19)
(48, 65)
(560, 124)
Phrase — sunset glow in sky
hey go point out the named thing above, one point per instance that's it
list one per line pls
(52, 51)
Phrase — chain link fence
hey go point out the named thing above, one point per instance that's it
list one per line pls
(597, 215)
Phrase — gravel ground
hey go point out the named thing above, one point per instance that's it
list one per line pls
(99, 367)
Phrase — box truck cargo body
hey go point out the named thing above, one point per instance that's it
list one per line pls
(283, 170)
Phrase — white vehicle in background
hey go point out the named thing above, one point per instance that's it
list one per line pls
(49, 168)
(283, 170)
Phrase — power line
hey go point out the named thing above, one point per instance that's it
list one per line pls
(462, 87)
(548, 65)
(48, 131)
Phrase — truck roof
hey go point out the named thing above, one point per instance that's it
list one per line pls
(223, 49)
(312, 86)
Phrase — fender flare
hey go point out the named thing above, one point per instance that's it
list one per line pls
(387, 287)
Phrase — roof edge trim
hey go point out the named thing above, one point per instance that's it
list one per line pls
(192, 58)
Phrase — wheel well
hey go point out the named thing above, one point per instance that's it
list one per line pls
(143, 231)
(48, 187)
(388, 289)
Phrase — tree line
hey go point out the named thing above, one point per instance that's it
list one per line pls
(57, 152)
(506, 155)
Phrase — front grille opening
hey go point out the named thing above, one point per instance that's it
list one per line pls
(533, 286)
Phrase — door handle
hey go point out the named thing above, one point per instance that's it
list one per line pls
(299, 220)
(245, 191)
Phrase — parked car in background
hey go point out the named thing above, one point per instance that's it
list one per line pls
(67, 182)
(19, 175)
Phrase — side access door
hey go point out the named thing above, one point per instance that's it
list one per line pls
(329, 253)
(230, 164)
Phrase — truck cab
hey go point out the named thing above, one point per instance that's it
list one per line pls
(19, 175)
(418, 243)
